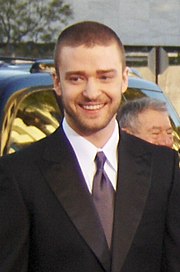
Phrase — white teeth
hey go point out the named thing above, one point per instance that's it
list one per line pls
(93, 107)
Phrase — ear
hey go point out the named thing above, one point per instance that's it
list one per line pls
(57, 84)
(125, 79)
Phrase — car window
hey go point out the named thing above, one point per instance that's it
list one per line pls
(37, 115)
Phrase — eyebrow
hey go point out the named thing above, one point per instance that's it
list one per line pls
(155, 127)
(159, 128)
(106, 71)
(69, 73)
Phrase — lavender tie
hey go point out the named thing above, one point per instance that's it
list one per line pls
(103, 196)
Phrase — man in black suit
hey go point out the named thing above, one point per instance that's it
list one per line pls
(49, 220)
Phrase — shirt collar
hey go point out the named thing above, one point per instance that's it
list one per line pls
(88, 150)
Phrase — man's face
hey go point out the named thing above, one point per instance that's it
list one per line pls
(91, 82)
(155, 127)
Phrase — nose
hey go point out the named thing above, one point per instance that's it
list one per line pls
(91, 90)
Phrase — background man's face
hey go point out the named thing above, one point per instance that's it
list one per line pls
(155, 127)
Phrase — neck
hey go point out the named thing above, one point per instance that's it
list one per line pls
(101, 137)
(98, 138)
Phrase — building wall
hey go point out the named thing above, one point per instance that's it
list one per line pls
(138, 22)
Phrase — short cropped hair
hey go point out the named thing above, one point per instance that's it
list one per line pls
(128, 113)
(89, 34)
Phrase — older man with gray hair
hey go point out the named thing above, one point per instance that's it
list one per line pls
(148, 119)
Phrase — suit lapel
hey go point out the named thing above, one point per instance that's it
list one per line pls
(134, 179)
(64, 176)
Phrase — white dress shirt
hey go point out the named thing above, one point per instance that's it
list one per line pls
(85, 152)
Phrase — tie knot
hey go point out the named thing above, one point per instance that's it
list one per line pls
(100, 160)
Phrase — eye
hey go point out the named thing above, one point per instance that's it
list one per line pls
(76, 79)
(106, 76)
(155, 133)
(169, 131)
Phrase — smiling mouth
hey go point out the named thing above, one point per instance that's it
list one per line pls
(93, 107)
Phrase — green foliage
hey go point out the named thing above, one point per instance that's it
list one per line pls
(35, 20)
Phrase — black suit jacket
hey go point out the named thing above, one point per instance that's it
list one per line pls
(48, 222)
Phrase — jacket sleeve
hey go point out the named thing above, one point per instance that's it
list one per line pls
(171, 254)
(13, 224)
